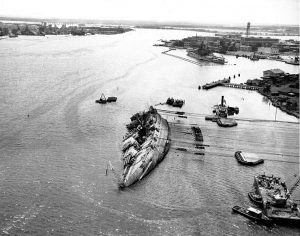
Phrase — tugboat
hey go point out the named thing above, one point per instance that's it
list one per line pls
(253, 214)
(221, 112)
(221, 109)
(244, 160)
(257, 199)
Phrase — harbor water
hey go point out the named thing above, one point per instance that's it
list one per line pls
(56, 142)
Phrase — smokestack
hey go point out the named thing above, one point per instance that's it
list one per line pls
(222, 101)
(248, 30)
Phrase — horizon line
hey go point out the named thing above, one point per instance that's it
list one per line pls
(186, 23)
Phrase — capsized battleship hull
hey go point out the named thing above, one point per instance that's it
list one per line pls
(143, 153)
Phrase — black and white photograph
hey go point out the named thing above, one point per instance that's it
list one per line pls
(139, 117)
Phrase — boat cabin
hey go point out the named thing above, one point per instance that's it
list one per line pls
(254, 212)
(279, 200)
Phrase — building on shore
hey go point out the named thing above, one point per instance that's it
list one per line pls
(273, 73)
(245, 48)
(268, 50)
(289, 46)
(259, 41)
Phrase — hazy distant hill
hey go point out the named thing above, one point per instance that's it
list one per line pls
(272, 29)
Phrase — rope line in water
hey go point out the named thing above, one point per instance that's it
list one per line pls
(241, 119)
(241, 126)
(223, 155)
(266, 159)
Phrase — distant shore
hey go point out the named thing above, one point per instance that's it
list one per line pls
(269, 31)
(14, 29)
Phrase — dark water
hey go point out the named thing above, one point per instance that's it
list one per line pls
(52, 168)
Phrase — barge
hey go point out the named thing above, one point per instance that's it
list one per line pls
(245, 160)
(145, 145)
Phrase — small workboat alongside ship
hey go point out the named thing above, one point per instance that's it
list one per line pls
(253, 214)
(145, 145)
(255, 198)
(243, 159)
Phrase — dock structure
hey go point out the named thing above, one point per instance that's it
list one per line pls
(229, 85)
(216, 83)
(240, 86)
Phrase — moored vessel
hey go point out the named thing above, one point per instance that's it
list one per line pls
(221, 112)
(243, 159)
(209, 58)
(253, 214)
(175, 102)
(293, 61)
(104, 100)
(255, 198)
(276, 199)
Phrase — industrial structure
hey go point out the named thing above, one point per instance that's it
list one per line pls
(248, 30)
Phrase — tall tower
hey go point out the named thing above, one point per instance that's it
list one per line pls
(248, 30)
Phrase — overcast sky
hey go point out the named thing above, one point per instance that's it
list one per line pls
(198, 11)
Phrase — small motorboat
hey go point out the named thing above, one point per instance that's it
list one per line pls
(178, 103)
(255, 198)
(170, 101)
(175, 102)
(233, 110)
(253, 214)
(245, 160)
(103, 99)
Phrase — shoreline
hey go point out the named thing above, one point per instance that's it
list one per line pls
(295, 114)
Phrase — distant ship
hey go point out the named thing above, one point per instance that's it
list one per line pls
(209, 58)
(11, 35)
(294, 61)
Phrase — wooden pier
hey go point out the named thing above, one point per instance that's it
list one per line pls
(240, 86)
(229, 85)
